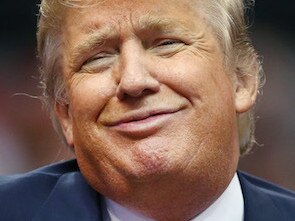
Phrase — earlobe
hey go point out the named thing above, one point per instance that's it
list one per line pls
(246, 86)
(65, 120)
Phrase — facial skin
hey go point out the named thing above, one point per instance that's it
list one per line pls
(152, 109)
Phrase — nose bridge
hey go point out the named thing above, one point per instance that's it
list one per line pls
(135, 77)
(132, 61)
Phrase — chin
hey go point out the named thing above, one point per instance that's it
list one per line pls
(149, 164)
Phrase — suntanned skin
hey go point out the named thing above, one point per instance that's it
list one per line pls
(152, 108)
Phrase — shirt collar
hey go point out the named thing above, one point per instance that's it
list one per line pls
(229, 206)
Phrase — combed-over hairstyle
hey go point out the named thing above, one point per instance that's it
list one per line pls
(228, 18)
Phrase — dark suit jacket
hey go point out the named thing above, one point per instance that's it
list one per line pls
(59, 193)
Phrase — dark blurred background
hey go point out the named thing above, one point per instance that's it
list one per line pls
(27, 139)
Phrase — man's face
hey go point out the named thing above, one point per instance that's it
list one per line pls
(150, 101)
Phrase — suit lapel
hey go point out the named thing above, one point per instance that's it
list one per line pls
(71, 199)
(258, 206)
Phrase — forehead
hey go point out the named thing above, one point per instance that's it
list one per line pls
(125, 5)
(117, 12)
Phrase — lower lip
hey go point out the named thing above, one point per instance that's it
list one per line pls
(145, 127)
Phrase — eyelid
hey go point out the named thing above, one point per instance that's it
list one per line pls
(168, 40)
(101, 54)
(98, 62)
(97, 56)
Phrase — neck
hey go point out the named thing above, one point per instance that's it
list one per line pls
(229, 206)
(174, 201)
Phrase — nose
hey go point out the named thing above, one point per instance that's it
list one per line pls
(135, 78)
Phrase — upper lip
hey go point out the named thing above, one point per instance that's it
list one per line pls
(140, 115)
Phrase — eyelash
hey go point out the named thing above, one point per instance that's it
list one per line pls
(98, 56)
(97, 62)
(168, 42)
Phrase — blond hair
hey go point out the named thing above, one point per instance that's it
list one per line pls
(226, 17)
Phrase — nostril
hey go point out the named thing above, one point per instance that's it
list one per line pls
(135, 94)
(136, 82)
(130, 93)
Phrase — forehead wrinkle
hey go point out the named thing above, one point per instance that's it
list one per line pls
(78, 4)
(162, 24)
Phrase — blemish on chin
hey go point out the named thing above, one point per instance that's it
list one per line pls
(151, 161)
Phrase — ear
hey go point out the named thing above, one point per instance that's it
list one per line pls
(65, 119)
(246, 86)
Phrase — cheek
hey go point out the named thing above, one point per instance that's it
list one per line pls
(208, 88)
(195, 78)
(89, 93)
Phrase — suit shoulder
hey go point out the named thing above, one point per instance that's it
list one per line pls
(39, 179)
(24, 193)
(282, 198)
(267, 187)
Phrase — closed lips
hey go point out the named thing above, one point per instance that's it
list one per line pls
(139, 115)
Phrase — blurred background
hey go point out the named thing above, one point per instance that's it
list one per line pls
(27, 140)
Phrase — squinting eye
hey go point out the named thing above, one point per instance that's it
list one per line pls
(97, 57)
(98, 62)
(168, 42)
(167, 47)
